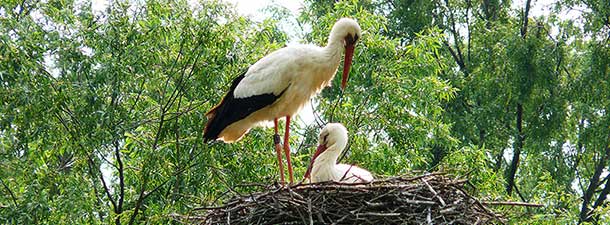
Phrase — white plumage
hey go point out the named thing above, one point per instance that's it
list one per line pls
(324, 167)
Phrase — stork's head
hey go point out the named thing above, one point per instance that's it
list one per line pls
(333, 137)
(333, 140)
(348, 31)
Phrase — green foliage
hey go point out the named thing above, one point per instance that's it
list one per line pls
(102, 113)
(124, 100)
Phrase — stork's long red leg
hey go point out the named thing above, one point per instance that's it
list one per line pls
(278, 151)
(287, 148)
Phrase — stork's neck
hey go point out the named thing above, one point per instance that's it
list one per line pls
(325, 167)
(328, 159)
(334, 49)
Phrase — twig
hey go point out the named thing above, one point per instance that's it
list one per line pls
(10, 192)
(434, 192)
(526, 204)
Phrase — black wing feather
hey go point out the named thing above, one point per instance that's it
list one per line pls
(233, 109)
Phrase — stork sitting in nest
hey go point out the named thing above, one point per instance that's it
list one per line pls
(324, 167)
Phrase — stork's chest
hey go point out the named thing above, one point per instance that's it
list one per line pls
(322, 173)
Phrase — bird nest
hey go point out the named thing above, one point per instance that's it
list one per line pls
(431, 199)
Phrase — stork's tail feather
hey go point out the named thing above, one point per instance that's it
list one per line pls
(219, 118)
(208, 133)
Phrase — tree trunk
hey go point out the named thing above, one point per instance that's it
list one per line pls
(517, 147)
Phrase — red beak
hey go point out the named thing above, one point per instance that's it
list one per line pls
(349, 53)
(321, 148)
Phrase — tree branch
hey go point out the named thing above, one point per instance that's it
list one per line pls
(90, 160)
(457, 54)
(602, 196)
(593, 185)
(525, 19)
(176, 188)
(519, 193)
(526, 204)
(10, 192)
(118, 210)
(107, 190)
(93, 183)
(143, 194)
(468, 6)
(139, 201)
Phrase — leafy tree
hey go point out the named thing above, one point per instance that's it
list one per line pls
(102, 112)
(110, 129)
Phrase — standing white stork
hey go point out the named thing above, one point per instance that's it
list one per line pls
(278, 85)
(324, 167)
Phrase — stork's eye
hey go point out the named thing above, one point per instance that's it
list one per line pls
(351, 40)
(324, 137)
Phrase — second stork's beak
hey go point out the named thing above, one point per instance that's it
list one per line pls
(349, 53)
(320, 150)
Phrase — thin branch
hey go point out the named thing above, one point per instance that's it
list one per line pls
(526, 204)
(143, 194)
(468, 6)
(177, 146)
(121, 196)
(434, 192)
(139, 201)
(93, 183)
(10, 192)
(525, 19)
(519, 193)
(455, 56)
(177, 173)
(107, 190)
